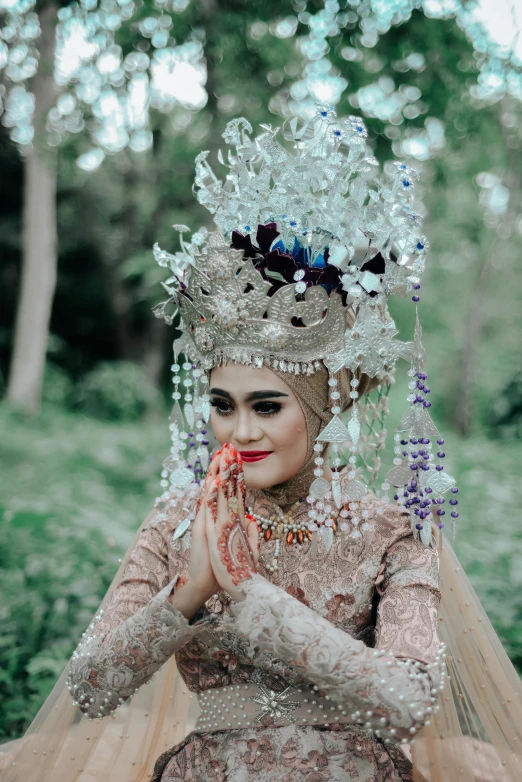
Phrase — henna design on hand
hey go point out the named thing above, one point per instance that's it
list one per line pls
(234, 552)
(225, 500)
(212, 499)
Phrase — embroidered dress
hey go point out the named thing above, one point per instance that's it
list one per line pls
(315, 621)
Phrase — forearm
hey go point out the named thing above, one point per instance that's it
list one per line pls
(380, 691)
(106, 669)
(188, 600)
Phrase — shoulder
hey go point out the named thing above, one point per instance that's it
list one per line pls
(391, 529)
(173, 509)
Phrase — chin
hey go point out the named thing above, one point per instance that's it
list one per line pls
(258, 478)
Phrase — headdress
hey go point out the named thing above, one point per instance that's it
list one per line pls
(310, 244)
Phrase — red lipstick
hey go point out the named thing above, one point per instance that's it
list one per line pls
(254, 456)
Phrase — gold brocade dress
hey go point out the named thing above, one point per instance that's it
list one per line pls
(317, 620)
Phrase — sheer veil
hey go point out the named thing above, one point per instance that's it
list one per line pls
(475, 737)
(62, 745)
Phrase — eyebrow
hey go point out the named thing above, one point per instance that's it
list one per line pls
(254, 395)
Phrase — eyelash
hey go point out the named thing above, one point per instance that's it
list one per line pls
(275, 408)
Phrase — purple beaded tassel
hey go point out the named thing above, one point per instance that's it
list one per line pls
(418, 475)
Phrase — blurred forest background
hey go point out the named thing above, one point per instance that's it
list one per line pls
(104, 106)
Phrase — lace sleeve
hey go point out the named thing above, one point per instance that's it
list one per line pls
(408, 611)
(382, 689)
(135, 634)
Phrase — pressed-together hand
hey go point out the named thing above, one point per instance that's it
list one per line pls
(232, 537)
(220, 523)
(199, 584)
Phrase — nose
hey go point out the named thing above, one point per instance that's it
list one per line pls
(246, 428)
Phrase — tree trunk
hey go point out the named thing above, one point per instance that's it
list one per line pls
(39, 238)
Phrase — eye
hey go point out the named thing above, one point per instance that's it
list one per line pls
(221, 406)
(267, 409)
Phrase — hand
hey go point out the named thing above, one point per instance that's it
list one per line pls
(232, 538)
(199, 584)
(200, 575)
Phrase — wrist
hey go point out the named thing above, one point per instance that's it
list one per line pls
(187, 599)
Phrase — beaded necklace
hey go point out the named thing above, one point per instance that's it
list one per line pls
(283, 527)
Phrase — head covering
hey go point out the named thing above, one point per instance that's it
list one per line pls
(311, 392)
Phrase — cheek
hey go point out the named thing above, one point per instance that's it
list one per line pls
(221, 427)
(290, 437)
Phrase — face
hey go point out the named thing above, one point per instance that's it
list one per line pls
(254, 410)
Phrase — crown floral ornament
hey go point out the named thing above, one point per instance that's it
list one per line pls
(309, 245)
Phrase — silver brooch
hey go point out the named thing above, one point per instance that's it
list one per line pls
(274, 704)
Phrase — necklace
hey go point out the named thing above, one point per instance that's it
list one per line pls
(282, 527)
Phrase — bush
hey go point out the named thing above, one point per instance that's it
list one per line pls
(52, 579)
(117, 391)
(57, 386)
(506, 413)
(73, 490)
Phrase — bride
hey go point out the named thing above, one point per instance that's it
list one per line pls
(327, 631)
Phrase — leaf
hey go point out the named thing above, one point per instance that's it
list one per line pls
(354, 491)
(176, 416)
(203, 456)
(399, 475)
(189, 414)
(354, 429)
(337, 494)
(441, 481)
(425, 532)
(181, 529)
(181, 478)
(205, 410)
(327, 538)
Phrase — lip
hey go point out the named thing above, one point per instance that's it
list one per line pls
(254, 456)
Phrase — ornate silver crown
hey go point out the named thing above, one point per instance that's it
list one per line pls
(230, 315)
(306, 240)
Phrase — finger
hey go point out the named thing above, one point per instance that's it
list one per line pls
(253, 540)
(204, 490)
(213, 467)
(241, 480)
(234, 470)
(227, 470)
(212, 498)
(223, 513)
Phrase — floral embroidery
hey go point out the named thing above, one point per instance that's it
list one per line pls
(339, 608)
(298, 593)
(261, 754)
(139, 630)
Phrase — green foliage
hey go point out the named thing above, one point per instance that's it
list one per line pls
(117, 391)
(51, 581)
(74, 490)
(506, 413)
(57, 386)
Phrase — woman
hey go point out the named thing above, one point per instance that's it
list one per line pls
(306, 625)
(300, 607)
